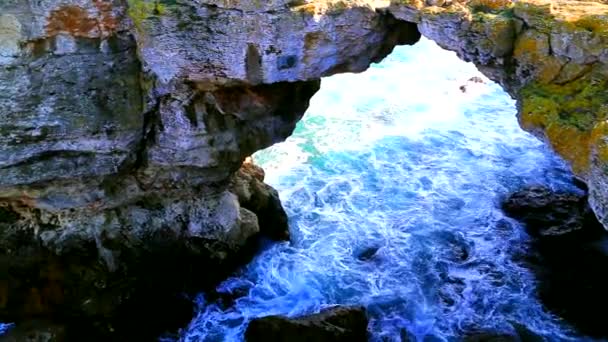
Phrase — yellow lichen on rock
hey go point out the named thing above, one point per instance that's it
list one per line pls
(595, 23)
(139, 10)
(489, 5)
(599, 141)
(571, 116)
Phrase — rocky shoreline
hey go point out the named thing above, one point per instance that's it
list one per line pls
(137, 189)
(568, 254)
(147, 286)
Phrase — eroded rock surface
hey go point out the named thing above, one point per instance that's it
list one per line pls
(123, 123)
(124, 126)
(333, 324)
(568, 255)
(549, 55)
(549, 214)
(255, 195)
(127, 271)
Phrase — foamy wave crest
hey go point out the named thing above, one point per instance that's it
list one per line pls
(391, 182)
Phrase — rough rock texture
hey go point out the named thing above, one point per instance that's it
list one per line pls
(128, 268)
(568, 258)
(35, 331)
(348, 324)
(547, 213)
(255, 195)
(551, 56)
(123, 123)
(124, 126)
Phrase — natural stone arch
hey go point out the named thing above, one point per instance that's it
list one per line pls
(173, 100)
(549, 55)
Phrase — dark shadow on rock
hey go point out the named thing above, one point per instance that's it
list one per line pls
(569, 255)
(517, 333)
(138, 303)
(35, 331)
(340, 323)
(144, 286)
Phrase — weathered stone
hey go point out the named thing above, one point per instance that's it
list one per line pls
(105, 266)
(333, 324)
(547, 213)
(567, 256)
(201, 137)
(324, 38)
(123, 123)
(10, 36)
(248, 184)
(35, 331)
(550, 56)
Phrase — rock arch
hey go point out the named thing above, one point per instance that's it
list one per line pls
(123, 138)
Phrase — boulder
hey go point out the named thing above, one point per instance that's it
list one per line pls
(567, 255)
(335, 324)
(367, 253)
(129, 271)
(547, 213)
(255, 195)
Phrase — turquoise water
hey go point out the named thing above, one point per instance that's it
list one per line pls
(400, 160)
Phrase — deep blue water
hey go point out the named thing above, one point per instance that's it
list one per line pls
(399, 159)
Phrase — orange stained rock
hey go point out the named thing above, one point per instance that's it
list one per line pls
(78, 22)
(491, 4)
(572, 144)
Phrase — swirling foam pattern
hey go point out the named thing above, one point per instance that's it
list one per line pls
(399, 160)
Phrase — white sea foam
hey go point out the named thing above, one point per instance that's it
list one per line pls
(400, 160)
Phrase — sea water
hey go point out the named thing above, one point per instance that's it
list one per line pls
(392, 183)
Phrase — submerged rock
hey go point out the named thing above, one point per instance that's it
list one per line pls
(334, 324)
(518, 333)
(500, 337)
(367, 253)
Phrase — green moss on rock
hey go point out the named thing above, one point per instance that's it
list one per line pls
(139, 10)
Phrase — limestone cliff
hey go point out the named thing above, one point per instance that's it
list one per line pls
(123, 123)
(552, 56)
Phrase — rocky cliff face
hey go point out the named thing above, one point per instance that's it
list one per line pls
(549, 55)
(124, 122)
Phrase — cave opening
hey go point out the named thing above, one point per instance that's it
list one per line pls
(392, 182)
